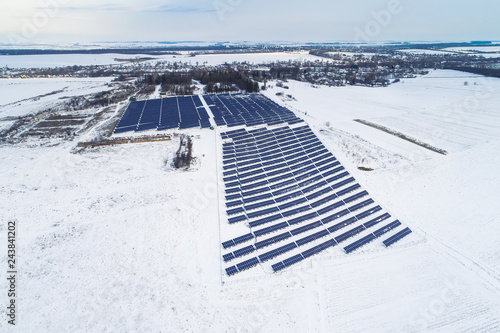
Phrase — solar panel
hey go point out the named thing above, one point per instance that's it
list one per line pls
(276, 252)
(349, 234)
(244, 251)
(391, 240)
(272, 240)
(377, 220)
(387, 228)
(270, 229)
(231, 270)
(293, 260)
(282, 173)
(359, 243)
(242, 239)
(247, 264)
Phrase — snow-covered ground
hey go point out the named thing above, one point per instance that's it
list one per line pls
(423, 51)
(113, 239)
(474, 49)
(59, 60)
(21, 97)
(25, 96)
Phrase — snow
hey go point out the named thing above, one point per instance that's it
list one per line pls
(437, 109)
(113, 239)
(59, 60)
(474, 49)
(423, 51)
(454, 50)
(25, 96)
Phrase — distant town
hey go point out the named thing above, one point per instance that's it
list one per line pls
(333, 65)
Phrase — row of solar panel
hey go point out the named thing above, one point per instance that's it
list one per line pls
(250, 110)
(234, 134)
(276, 198)
(278, 184)
(241, 166)
(272, 147)
(256, 158)
(258, 141)
(251, 188)
(304, 183)
(167, 113)
(302, 199)
(241, 134)
(323, 246)
(304, 218)
(250, 215)
(297, 231)
(312, 251)
(268, 166)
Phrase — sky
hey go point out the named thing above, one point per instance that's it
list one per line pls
(87, 21)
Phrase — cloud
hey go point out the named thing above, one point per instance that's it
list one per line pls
(136, 7)
(98, 7)
(181, 9)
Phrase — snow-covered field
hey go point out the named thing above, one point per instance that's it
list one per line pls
(113, 239)
(59, 60)
(474, 49)
(423, 51)
(493, 52)
(24, 96)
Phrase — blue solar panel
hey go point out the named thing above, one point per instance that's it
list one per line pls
(259, 205)
(276, 252)
(263, 212)
(302, 218)
(312, 237)
(278, 266)
(293, 260)
(287, 168)
(342, 224)
(349, 234)
(231, 270)
(237, 219)
(357, 244)
(234, 203)
(305, 228)
(330, 208)
(270, 229)
(233, 197)
(242, 239)
(349, 189)
(368, 212)
(391, 240)
(324, 200)
(293, 203)
(272, 240)
(316, 249)
(235, 211)
(387, 228)
(296, 211)
(243, 251)
(132, 115)
(355, 197)
(247, 264)
(361, 205)
(377, 220)
(228, 244)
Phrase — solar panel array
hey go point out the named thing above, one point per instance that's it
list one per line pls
(166, 113)
(296, 198)
(249, 110)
